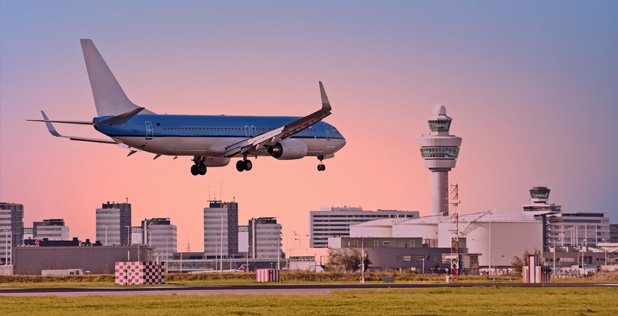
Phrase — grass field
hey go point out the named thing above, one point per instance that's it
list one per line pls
(214, 279)
(440, 301)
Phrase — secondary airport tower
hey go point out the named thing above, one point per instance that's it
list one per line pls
(439, 150)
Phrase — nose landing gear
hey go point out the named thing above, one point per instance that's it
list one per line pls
(321, 166)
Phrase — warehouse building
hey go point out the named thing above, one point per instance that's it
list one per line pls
(96, 260)
(496, 238)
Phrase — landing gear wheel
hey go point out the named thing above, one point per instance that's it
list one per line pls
(244, 165)
(321, 167)
(240, 165)
(202, 169)
(195, 170)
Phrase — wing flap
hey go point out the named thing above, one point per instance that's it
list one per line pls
(247, 144)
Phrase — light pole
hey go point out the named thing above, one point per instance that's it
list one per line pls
(362, 260)
(221, 246)
(299, 240)
(490, 273)
(279, 250)
(128, 235)
(423, 259)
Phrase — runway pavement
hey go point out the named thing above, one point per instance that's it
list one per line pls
(282, 289)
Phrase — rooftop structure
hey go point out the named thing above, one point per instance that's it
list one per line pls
(440, 150)
(539, 196)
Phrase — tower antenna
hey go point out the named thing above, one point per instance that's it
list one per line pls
(454, 202)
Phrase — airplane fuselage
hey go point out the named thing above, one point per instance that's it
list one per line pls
(209, 135)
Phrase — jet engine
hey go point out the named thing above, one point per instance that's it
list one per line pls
(288, 149)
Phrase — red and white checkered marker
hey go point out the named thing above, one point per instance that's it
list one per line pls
(139, 272)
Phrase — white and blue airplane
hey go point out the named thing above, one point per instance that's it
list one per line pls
(212, 140)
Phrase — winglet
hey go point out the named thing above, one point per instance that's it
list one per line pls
(50, 126)
(325, 103)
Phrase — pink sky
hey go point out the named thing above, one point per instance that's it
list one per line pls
(534, 102)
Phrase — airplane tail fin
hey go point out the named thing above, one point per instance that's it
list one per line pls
(109, 98)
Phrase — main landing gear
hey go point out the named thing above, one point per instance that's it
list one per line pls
(321, 166)
(244, 165)
(199, 167)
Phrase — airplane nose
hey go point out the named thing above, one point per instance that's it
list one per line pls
(342, 143)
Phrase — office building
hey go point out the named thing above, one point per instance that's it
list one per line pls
(613, 233)
(566, 229)
(439, 150)
(11, 229)
(52, 229)
(264, 238)
(28, 233)
(577, 229)
(137, 235)
(113, 222)
(243, 240)
(160, 234)
(336, 221)
(221, 229)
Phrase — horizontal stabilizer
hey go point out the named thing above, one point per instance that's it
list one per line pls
(64, 122)
(52, 130)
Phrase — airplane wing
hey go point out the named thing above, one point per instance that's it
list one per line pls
(55, 133)
(274, 136)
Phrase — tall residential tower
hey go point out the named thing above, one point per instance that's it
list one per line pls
(439, 149)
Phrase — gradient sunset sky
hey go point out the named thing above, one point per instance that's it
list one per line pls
(531, 86)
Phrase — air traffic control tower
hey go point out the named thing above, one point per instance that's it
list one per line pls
(439, 149)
